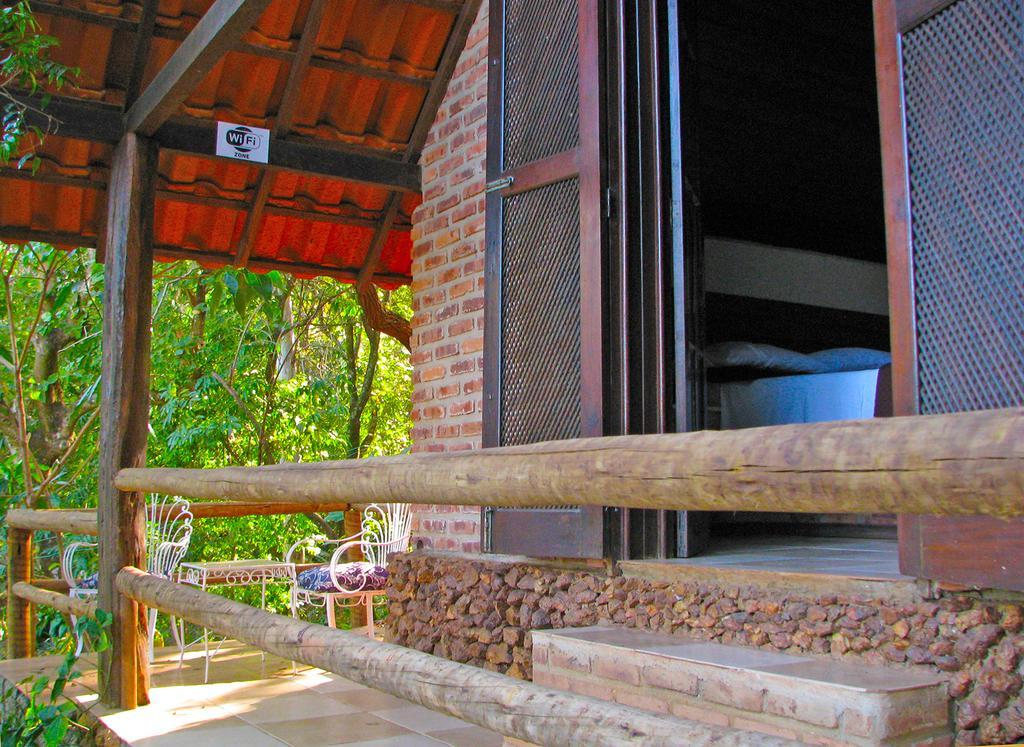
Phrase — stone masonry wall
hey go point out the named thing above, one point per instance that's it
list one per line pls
(481, 610)
(448, 288)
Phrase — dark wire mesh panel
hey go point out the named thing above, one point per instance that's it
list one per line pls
(964, 89)
(541, 80)
(540, 315)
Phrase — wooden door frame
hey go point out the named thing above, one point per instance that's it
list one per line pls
(893, 18)
(587, 164)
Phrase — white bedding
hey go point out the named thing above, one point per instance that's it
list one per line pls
(803, 398)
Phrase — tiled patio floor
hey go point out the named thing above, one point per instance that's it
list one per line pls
(836, 556)
(253, 703)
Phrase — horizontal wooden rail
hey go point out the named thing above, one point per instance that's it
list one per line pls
(51, 584)
(222, 509)
(497, 702)
(60, 602)
(83, 521)
(965, 463)
(72, 521)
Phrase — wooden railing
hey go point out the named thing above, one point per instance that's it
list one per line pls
(23, 591)
(969, 463)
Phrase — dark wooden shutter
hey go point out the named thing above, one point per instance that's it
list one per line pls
(952, 111)
(655, 296)
(543, 331)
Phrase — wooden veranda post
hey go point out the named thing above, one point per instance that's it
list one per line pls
(353, 524)
(21, 634)
(128, 289)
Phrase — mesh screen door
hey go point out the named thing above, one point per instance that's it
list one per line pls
(542, 367)
(951, 93)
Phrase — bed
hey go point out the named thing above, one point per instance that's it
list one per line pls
(753, 385)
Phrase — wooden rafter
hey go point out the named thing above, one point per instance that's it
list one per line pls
(143, 38)
(166, 253)
(285, 113)
(300, 64)
(253, 218)
(21, 234)
(445, 68)
(377, 317)
(218, 30)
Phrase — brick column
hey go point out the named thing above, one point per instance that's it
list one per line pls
(448, 287)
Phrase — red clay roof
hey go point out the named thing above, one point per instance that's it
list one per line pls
(365, 88)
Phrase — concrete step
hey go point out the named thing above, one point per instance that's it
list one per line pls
(816, 701)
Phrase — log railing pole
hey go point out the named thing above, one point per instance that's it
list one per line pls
(124, 418)
(71, 521)
(495, 701)
(21, 634)
(959, 464)
(60, 602)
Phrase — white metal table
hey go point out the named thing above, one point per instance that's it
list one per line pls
(233, 573)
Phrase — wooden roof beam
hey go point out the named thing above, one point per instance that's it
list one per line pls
(164, 252)
(373, 171)
(75, 118)
(220, 28)
(102, 123)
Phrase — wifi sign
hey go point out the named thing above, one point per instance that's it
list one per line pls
(243, 142)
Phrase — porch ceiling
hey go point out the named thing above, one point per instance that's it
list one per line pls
(348, 88)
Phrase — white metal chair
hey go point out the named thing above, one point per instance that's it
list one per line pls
(384, 530)
(168, 533)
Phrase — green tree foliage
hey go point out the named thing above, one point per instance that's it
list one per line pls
(25, 65)
(247, 369)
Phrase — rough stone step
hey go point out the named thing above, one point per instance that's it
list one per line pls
(809, 699)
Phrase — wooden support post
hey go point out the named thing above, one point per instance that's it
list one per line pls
(353, 524)
(128, 289)
(512, 707)
(21, 633)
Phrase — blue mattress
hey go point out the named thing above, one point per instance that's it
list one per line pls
(803, 398)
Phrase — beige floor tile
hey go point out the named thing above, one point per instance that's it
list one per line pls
(213, 735)
(369, 700)
(338, 684)
(334, 730)
(419, 719)
(292, 706)
(152, 721)
(406, 740)
(469, 736)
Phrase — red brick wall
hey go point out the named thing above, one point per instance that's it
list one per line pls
(448, 287)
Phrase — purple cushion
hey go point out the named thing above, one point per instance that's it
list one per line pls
(353, 576)
(91, 581)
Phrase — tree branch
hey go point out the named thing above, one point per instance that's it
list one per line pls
(383, 320)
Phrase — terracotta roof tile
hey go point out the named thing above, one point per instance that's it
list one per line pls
(365, 88)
